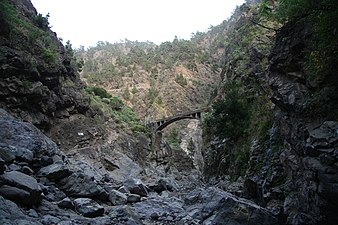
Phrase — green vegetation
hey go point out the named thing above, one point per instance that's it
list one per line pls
(320, 57)
(110, 106)
(230, 115)
(180, 79)
(126, 94)
(173, 138)
(241, 109)
(35, 31)
(153, 92)
(98, 91)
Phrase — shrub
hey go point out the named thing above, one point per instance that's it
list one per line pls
(116, 102)
(98, 91)
(230, 115)
(181, 80)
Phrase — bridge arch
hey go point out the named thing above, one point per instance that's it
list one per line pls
(159, 125)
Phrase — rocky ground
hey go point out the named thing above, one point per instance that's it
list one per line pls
(41, 184)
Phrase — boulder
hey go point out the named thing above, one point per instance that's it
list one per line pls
(117, 198)
(214, 206)
(66, 203)
(160, 208)
(26, 183)
(10, 152)
(10, 213)
(88, 207)
(126, 214)
(163, 184)
(49, 219)
(132, 198)
(81, 185)
(136, 186)
(54, 172)
(24, 138)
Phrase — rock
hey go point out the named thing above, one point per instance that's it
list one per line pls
(125, 215)
(49, 220)
(88, 207)
(54, 172)
(136, 186)
(162, 207)
(10, 214)
(14, 167)
(26, 183)
(163, 184)
(2, 166)
(53, 193)
(117, 198)
(324, 136)
(33, 213)
(66, 203)
(26, 170)
(154, 216)
(121, 166)
(219, 207)
(123, 189)
(81, 185)
(16, 194)
(132, 198)
(9, 153)
(24, 138)
(46, 160)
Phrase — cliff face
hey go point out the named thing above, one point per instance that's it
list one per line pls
(286, 148)
(38, 81)
(307, 117)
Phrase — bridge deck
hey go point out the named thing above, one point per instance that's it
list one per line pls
(162, 123)
(179, 115)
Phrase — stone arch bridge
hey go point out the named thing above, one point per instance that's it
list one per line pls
(159, 125)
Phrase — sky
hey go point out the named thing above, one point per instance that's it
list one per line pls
(85, 22)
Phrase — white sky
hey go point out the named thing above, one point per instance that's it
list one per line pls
(85, 22)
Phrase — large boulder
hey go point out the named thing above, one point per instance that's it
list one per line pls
(10, 213)
(22, 141)
(25, 189)
(136, 186)
(214, 206)
(81, 185)
(117, 198)
(54, 172)
(88, 207)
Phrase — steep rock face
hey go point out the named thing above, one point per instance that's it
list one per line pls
(38, 80)
(311, 134)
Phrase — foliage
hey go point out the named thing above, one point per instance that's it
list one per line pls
(180, 79)
(323, 16)
(230, 115)
(153, 92)
(126, 94)
(191, 147)
(41, 45)
(41, 21)
(98, 91)
(113, 107)
(173, 138)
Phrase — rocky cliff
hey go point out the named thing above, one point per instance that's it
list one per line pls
(270, 136)
(307, 119)
(38, 81)
(286, 152)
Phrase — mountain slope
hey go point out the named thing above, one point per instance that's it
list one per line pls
(156, 81)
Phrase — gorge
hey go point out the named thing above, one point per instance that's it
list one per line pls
(245, 122)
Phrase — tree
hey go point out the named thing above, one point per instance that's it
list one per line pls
(126, 94)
